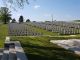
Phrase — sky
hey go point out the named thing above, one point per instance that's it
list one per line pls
(42, 10)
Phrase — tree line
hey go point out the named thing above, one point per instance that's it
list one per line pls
(5, 16)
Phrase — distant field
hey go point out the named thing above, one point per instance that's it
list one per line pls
(3, 34)
(39, 48)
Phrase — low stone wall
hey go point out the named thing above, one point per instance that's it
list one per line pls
(13, 51)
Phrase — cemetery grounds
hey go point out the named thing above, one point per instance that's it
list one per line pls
(39, 47)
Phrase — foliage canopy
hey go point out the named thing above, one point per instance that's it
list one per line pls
(5, 15)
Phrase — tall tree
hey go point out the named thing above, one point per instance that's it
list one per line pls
(21, 19)
(14, 20)
(28, 20)
(5, 14)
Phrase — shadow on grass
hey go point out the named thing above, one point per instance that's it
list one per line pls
(39, 48)
(35, 52)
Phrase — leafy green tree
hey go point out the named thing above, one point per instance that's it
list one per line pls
(21, 19)
(14, 20)
(28, 20)
(5, 15)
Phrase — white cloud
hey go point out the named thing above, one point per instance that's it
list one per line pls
(37, 6)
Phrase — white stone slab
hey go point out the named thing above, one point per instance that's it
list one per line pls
(19, 51)
(72, 44)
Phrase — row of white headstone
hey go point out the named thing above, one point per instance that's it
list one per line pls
(22, 29)
(59, 26)
(27, 29)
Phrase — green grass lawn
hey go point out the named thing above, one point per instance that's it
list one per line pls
(39, 48)
(3, 34)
